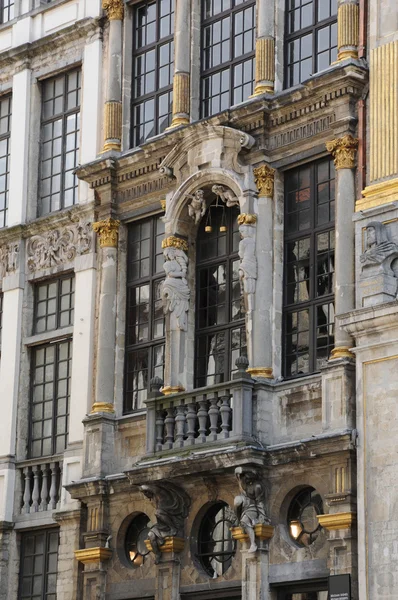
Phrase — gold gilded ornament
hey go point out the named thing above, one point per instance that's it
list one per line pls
(264, 177)
(108, 231)
(343, 151)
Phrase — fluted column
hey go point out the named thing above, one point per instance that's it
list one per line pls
(113, 104)
(261, 334)
(344, 151)
(108, 231)
(182, 64)
(265, 48)
(348, 29)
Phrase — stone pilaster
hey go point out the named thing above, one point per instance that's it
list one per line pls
(113, 104)
(68, 577)
(348, 29)
(182, 66)
(255, 565)
(265, 48)
(344, 150)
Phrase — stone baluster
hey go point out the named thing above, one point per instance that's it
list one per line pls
(180, 425)
(347, 29)
(53, 487)
(343, 150)
(182, 66)
(27, 489)
(154, 430)
(113, 104)
(225, 411)
(44, 488)
(169, 424)
(202, 418)
(36, 489)
(213, 416)
(191, 423)
(59, 491)
(265, 48)
(159, 429)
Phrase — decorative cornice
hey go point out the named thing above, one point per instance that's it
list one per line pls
(114, 9)
(247, 219)
(171, 544)
(343, 151)
(89, 556)
(175, 242)
(108, 231)
(332, 522)
(264, 177)
(378, 194)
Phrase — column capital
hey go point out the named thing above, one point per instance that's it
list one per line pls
(264, 177)
(108, 231)
(114, 9)
(343, 150)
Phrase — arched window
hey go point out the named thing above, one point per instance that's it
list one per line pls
(216, 548)
(302, 515)
(220, 324)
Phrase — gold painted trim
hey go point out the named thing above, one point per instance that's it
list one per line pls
(181, 100)
(89, 556)
(341, 352)
(264, 177)
(108, 231)
(112, 126)
(378, 194)
(247, 219)
(102, 407)
(333, 522)
(171, 544)
(163, 205)
(170, 389)
(261, 531)
(263, 372)
(348, 31)
(114, 9)
(265, 66)
(175, 242)
(343, 151)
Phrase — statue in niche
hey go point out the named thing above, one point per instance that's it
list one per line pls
(226, 195)
(248, 263)
(175, 290)
(172, 506)
(250, 504)
(197, 207)
(378, 246)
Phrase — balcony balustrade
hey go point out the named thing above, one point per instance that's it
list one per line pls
(41, 486)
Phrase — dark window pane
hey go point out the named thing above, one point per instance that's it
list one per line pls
(38, 566)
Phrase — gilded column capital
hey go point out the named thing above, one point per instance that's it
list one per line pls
(247, 219)
(264, 177)
(108, 231)
(114, 9)
(175, 242)
(343, 151)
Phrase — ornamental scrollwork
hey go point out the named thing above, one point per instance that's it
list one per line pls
(343, 151)
(175, 289)
(59, 246)
(9, 258)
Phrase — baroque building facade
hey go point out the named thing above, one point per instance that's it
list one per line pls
(198, 268)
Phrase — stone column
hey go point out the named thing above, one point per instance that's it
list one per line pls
(265, 48)
(344, 153)
(261, 329)
(348, 29)
(113, 104)
(182, 64)
(108, 231)
(255, 565)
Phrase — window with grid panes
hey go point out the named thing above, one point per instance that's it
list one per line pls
(309, 267)
(310, 38)
(145, 319)
(51, 368)
(228, 44)
(38, 566)
(7, 11)
(153, 68)
(220, 320)
(5, 134)
(60, 138)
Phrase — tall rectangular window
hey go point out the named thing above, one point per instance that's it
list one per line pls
(309, 267)
(6, 10)
(228, 44)
(145, 320)
(310, 38)
(153, 69)
(51, 368)
(5, 134)
(60, 138)
(38, 567)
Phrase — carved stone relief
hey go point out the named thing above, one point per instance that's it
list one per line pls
(226, 195)
(197, 206)
(9, 258)
(250, 504)
(378, 277)
(59, 246)
(175, 290)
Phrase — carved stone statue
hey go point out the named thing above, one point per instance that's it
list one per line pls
(226, 195)
(248, 263)
(175, 290)
(378, 246)
(250, 504)
(172, 506)
(197, 207)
